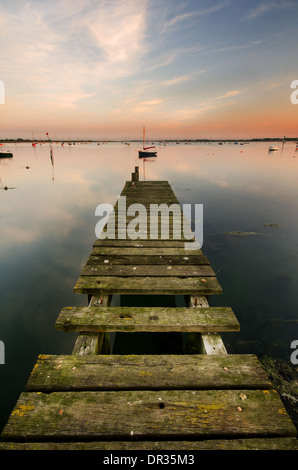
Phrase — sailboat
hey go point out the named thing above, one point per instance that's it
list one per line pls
(146, 150)
(273, 148)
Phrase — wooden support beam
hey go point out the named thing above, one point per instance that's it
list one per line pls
(90, 342)
(205, 343)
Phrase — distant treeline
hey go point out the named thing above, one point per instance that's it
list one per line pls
(264, 139)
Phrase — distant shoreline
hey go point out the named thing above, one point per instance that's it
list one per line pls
(265, 139)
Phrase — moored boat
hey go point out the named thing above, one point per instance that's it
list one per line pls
(273, 148)
(5, 154)
(146, 152)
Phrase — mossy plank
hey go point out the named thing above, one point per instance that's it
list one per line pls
(140, 243)
(150, 319)
(146, 372)
(130, 251)
(147, 285)
(275, 443)
(155, 260)
(145, 236)
(147, 414)
(163, 196)
(144, 270)
(147, 184)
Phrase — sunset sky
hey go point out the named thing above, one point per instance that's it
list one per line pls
(184, 68)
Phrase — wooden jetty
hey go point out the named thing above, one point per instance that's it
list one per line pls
(93, 399)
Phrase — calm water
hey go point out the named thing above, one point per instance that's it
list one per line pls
(47, 227)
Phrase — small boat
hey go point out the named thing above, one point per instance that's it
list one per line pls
(146, 152)
(273, 148)
(5, 154)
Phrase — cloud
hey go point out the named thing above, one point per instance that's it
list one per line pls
(193, 14)
(265, 7)
(195, 111)
(147, 106)
(227, 95)
(117, 28)
(64, 53)
(181, 78)
(272, 86)
(176, 80)
(235, 47)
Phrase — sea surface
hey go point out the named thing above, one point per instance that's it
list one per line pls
(47, 228)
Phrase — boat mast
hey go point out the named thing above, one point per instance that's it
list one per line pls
(143, 137)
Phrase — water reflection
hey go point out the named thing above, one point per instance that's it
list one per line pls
(47, 231)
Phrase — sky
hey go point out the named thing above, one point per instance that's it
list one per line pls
(186, 69)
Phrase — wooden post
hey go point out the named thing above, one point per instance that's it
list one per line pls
(137, 172)
(135, 175)
(209, 343)
(93, 343)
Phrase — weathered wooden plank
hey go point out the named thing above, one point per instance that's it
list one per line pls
(150, 183)
(147, 186)
(157, 319)
(163, 198)
(130, 251)
(175, 220)
(147, 285)
(145, 270)
(144, 236)
(148, 415)
(161, 195)
(147, 372)
(140, 243)
(148, 260)
(275, 443)
(141, 236)
(147, 221)
(154, 190)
